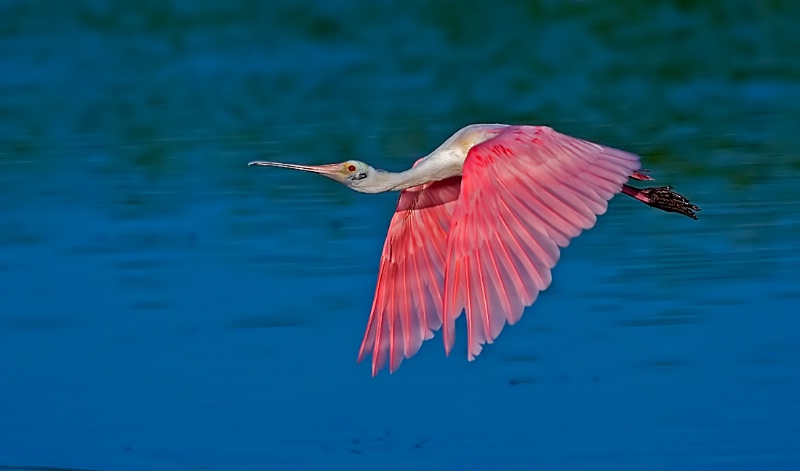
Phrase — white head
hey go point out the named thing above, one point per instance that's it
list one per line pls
(352, 174)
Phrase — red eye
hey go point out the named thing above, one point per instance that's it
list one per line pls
(351, 168)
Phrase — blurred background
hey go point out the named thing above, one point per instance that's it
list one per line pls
(164, 307)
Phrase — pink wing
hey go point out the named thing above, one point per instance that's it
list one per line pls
(525, 193)
(408, 299)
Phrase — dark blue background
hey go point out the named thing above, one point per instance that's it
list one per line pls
(162, 306)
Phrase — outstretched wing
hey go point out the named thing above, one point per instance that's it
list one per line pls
(525, 193)
(408, 299)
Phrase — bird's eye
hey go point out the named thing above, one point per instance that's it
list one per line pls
(351, 168)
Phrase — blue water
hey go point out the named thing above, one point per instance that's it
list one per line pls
(164, 307)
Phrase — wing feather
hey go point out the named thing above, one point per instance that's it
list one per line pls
(408, 304)
(525, 193)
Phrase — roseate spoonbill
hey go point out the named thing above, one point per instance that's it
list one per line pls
(479, 226)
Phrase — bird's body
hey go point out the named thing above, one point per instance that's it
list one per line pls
(479, 226)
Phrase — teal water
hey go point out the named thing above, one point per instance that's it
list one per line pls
(162, 306)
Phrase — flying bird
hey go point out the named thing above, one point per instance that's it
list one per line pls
(479, 226)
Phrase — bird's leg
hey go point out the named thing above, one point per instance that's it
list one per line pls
(663, 198)
(640, 175)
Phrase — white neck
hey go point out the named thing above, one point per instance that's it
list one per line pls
(427, 170)
(444, 162)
